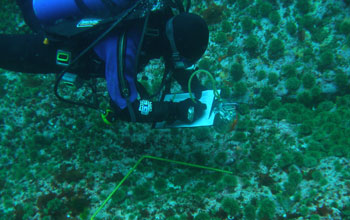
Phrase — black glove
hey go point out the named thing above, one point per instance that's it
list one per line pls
(189, 111)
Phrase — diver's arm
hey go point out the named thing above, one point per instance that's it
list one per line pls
(146, 111)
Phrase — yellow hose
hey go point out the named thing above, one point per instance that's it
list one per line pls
(216, 93)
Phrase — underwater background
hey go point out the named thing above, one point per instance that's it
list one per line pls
(287, 65)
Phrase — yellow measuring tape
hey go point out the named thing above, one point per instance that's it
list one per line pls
(153, 158)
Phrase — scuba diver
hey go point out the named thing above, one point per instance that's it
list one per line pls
(113, 39)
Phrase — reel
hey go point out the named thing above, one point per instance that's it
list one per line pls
(226, 117)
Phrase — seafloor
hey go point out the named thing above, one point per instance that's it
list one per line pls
(287, 65)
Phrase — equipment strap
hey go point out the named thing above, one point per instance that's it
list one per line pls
(120, 60)
(83, 7)
(82, 53)
(111, 6)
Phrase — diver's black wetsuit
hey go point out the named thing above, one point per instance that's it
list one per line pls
(28, 53)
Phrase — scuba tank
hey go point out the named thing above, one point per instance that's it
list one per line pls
(48, 12)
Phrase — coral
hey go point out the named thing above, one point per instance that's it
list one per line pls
(259, 102)
(325, 106)
(294, 178)
(230, 206)
(274, 17)
(286, 160)
(305, 128)
(142, 191)
(225, 92)
(202, 134)
(242, 4)
(289, 70)
(310, 161)
(308, 22)
(304, 6)
(181, 179)
(237, 71)
(199, 157)
(256, 154)
(308, 55)
(220, 158)
(202, 216)
(275, 104)
(326, 60)
(315, 217)
(226, 26)
(49, 204)
(265, 8)
(230, 181)
(231, 50)
(342, 81)
(247, 24)
(253, 11)
(317, 175)
(213, 14)
(308, 80)
(267, 93)
(340, 150)
(261, 74)
(267, 209)
(251, 45)
(69, 174)
(319, 35)
(220, 38)
(55, 207)
(291, 28)
(273, 78)
(268, 158)
(250, 212)
(267, 113)
(344, 27)
(39, 141)
(276, 49)
(240, 136)
(243, 109)
(119, 196)
(160, 184)
(205, 63)
(240, 89)
(3, 81)
(305, 98)
(292, 84)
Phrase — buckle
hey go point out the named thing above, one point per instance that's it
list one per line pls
(63, 58)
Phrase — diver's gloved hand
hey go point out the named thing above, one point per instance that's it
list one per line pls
(198, 91)
(189, 111)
